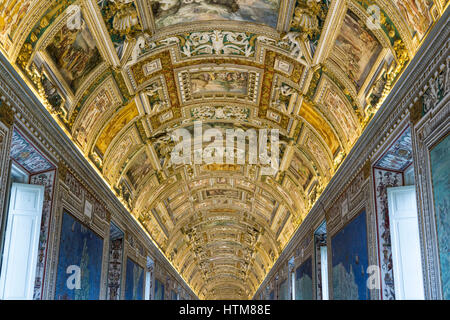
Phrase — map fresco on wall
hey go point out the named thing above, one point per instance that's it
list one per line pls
(46, 179)
(303, 281)
(284, 291)
(440, 174)
(169, 12)
(27, 156)
(79, 249)
(356, 49)
(74, 53)
(416, 14)
(350, 261)
(159, 290)
(134, 282)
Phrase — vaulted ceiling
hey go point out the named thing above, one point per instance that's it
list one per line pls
(119, 76)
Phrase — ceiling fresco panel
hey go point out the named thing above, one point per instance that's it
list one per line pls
(120, 120)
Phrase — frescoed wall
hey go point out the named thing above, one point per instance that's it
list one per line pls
(80, 249)
(303, 281)
(350, 261)
(440, 172)
(134, 282)
(159, 290)
(276, 57)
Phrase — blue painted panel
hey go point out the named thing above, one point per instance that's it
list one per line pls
(350, 261)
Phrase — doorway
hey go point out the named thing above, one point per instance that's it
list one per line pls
(399, 252)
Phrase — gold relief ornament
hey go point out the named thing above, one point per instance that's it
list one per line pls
(306, 17)
(125, 19)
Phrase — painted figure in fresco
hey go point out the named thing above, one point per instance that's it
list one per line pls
(100, 104)
(171, 7)
(11, 14)
(302, 172)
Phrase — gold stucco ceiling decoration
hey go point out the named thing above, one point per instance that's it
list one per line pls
(120, 76)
